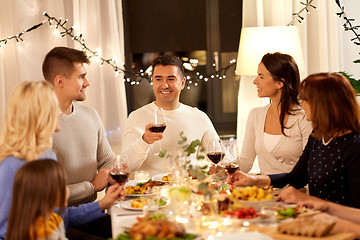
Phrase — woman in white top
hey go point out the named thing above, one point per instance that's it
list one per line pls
(278, 132)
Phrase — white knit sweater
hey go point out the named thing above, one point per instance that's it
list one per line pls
(286, 152)
(82, 148)
(194, 123)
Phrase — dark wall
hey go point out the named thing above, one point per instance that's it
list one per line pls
(178, 25)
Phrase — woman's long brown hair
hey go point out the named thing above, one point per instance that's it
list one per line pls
(39, 187)
(334, 108)
(284, 68)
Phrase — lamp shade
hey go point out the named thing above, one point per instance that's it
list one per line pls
(255, 42)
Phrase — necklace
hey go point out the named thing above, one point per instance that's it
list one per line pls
(326, 143)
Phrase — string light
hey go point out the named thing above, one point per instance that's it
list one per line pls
(61, 30)
(348, 25)
(297, 16)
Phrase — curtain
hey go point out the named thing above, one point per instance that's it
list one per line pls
(321, 37)
(102, 27)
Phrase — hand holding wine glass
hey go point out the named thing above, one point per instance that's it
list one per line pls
(120, 169)
(159, 124)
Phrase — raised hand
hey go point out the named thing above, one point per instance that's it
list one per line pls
(150, 137)
(114, 193)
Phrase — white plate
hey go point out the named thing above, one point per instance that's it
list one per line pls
(244, 236)
(158, 177)
(132, 183)
(127, 205)
(255, 204)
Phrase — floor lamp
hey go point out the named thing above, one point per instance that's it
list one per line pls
(254, 43)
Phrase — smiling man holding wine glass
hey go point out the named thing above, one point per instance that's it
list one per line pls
(140, 135)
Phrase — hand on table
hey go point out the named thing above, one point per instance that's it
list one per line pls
(150, 137)
(101, 179)
(114, 193)
(291, 195)
(313, 204)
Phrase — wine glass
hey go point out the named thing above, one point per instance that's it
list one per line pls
(230, 161)
(215, 151)
(120, 169)
(159, 124)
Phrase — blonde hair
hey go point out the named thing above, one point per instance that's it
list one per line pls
(30, 121)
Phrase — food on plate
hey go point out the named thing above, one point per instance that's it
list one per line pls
(156, 228)
(138, 203)
(243, 213)
(308, 227)
(143, 188)
(291, 212)
(166, 178)
(253, 193)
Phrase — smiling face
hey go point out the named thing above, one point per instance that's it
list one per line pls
(75, 85)
(266, 85)
(167, 85)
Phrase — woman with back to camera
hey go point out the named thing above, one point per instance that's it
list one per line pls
(277, 133)
(31, 118)
(330, 163)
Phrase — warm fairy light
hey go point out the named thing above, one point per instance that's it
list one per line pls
(61, 29)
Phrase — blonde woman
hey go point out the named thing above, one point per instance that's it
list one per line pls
(30, 120)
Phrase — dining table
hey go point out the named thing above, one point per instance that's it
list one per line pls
(123, 217)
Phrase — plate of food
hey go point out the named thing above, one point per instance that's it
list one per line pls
(137, 204)
(164, 177)
(252, 197)
(137, 189)
(156, 226)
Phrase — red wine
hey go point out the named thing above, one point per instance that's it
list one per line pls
(216, 157)
(119, 177)
(231, 167)
(158, 128)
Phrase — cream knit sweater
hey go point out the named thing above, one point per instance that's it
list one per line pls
(286, 152)
(82, 148)
(194, 123)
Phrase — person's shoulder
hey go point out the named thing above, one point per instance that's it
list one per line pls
(192, 110)
(83, 108)
(258, 111)
(140, 111)
(12, 162)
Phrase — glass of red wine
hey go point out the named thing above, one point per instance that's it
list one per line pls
(120, 170)
(159, 124)
(215, 151)
(231, 160)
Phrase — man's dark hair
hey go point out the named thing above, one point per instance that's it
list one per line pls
(60, 61)
(168, 60)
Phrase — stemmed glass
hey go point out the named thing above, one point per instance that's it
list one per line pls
(215, 151)
(230, 161)
(159, 124)
(120, 169)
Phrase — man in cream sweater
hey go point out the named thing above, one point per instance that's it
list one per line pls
(140, 144)
(81, 145)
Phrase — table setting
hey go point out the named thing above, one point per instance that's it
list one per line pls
(199, 205)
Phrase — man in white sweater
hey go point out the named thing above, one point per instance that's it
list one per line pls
(140, 144)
